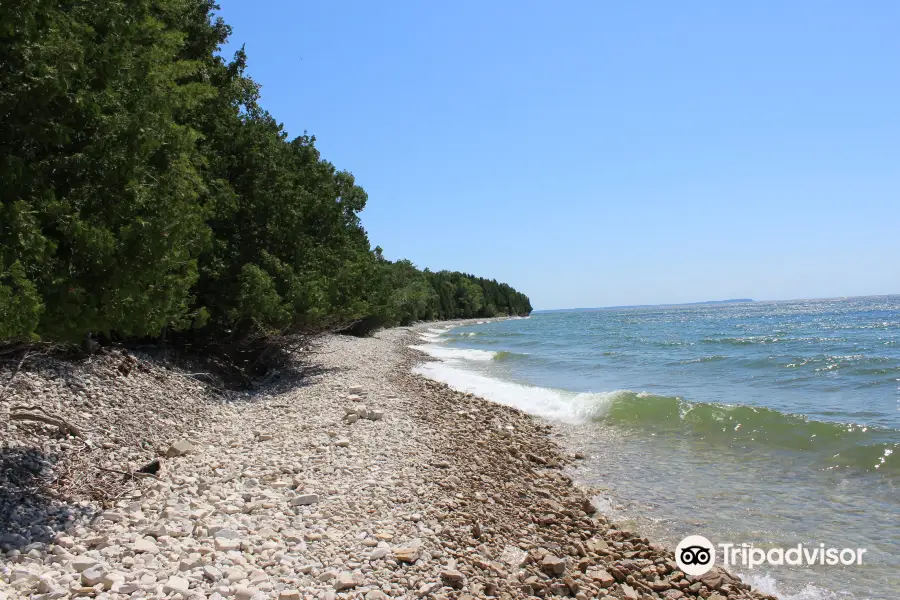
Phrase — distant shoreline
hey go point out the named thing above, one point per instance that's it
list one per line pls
(709, 302)
(705, 302)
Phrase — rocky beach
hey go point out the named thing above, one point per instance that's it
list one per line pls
(359, 480)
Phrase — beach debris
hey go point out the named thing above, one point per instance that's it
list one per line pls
(41, 415)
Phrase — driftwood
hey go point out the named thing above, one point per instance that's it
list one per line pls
(38, 414)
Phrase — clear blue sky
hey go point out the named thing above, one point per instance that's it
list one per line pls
(605, 153)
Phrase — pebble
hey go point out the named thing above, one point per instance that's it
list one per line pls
(345, 581)
(445, 499)
(92, 576)
(305, 499)
(175, 585)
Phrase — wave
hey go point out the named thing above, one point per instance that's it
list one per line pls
(447, 353)
(851, 364)
(835, 445)
(743, 341)
(463, 336)
(766, 584)
(776, 338)
(493, 336)
(455, 353)
(506, 355)
(702, 359)
(546, 402)
(839, 445)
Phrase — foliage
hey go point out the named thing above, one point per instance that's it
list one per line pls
(145, 190)
(465, 296)
(100, 200)
(20, 305)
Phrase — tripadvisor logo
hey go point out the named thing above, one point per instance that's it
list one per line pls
(695, 555)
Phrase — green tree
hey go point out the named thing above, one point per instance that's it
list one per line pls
(146, 189)
(100, 181)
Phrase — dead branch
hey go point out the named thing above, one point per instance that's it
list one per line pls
(36, 413)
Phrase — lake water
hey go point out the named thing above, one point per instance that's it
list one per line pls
(772, 423)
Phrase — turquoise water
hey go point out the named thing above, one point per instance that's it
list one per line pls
(773, 423)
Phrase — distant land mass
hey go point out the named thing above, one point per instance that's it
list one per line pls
(706, 302)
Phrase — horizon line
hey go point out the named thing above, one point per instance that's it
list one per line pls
(727, 301)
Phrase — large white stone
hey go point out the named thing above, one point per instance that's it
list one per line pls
(146, 545)
(345, 581)
(305, 500)
(176, 584)
(179, 448)
(111, 579)
(379, 553)
(83, 562)
(226, 544)
(92, 576)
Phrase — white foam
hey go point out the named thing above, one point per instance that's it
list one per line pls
(546, 402)
(443, 352)
(768, 585)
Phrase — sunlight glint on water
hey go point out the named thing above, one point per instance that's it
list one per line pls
(772, 423)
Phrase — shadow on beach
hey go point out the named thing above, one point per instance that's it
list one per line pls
(30, 511)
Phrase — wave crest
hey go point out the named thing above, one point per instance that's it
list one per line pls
(836, 445)
(443, 352)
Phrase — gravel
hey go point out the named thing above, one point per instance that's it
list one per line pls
(427, 492)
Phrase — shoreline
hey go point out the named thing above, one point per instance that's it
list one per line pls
(560, 458)
(361, 480)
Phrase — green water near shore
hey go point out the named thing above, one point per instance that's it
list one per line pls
(765, 423)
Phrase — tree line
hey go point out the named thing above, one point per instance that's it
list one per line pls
(424, 295)
(145, 190)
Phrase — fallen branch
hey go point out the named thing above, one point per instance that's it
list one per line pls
(36, 413)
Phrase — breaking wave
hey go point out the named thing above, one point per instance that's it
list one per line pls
(835, 445)
(444, 352)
